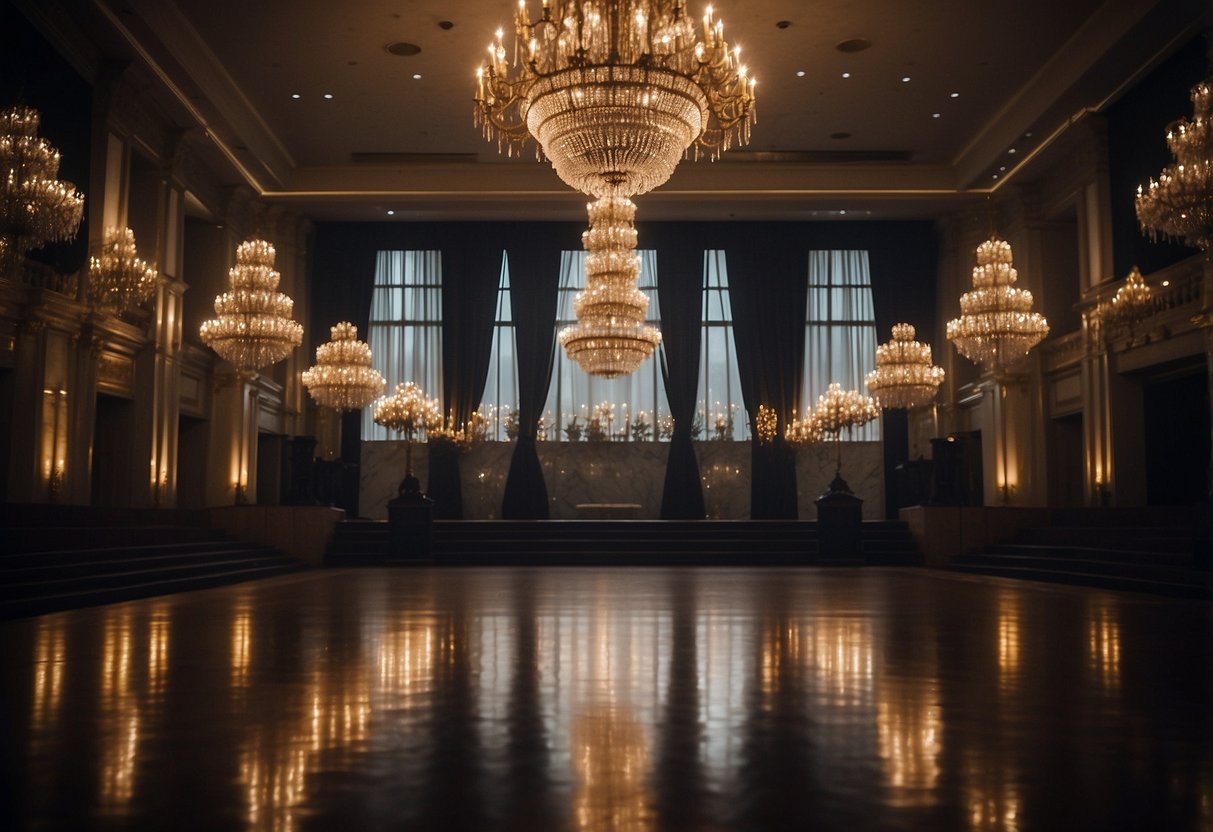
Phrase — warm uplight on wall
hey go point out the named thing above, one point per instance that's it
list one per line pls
(54, 441)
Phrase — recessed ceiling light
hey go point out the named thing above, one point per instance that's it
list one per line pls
(391, 213)
(1027, 135)
(1011, 151)
(296, 95)
(328, 95)
(996, 176)
(416, 76)
(402, 49)
(800, 73)
(846, 75)
(1166, 283)
(905, 79)
(954, 95)
(853, 45)
(1002, 167)
(936, 115)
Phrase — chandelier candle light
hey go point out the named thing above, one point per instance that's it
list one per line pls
(1180, 204)
(35, 207)
(904, 376)
(253, 327)
(118, 279)
(342, 377)
(997, 327)
(408, 412)
(615, 93)
(836, 410)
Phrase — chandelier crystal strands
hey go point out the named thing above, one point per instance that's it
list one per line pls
(615, 93)
(253, 327)
(997, 327)
(35, 207)
(904, 376)
(342, 377)
(610, 337)
(1131, 302)
(117, 278)
(1179, 205)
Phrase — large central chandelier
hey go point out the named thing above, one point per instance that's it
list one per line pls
(35, 207)
(343, 377)
(253, 327)
(1180, 203)
(117, 278)
(610, 337)
(997, 327)
(904, 376)
(615, 93)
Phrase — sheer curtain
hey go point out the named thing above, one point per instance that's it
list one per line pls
(406, 326)
(575, 393)
(501, 389)
(840, 333)
(719, 399)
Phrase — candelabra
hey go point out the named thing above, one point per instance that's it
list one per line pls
(253, 327)
(615, 93)
(997, 327)
(904, 376)
(836, 410)
(35, 207)
(1179, 204)
(342, 377)
(409, 413)
(117, 279)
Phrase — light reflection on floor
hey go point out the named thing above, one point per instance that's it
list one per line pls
(604, 699)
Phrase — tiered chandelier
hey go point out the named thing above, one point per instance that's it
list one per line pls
(615, 93)
(1131, 302)
(117, 278)
(35, 207)
(610, 337)
(1180, 204)
(342, 377)
(253, 327)
(904, 376)
(997, 327)
(408, 412)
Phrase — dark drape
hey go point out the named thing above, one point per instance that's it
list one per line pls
(768, 293)
(343, 280)
(471, 269)
(534, 279)
(680, 296)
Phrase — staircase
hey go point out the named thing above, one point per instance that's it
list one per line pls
(73, 557)
(1137, 550)
(630, 543)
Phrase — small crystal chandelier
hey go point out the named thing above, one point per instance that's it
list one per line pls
(253, 327)
(615, 93)
(836, 410)
(610, 337)
(35, 207)
(409, 413)
(342, 377)
(1130, 304)
(997, 327)
(1180, 204)
(904, 376)
(117, 278)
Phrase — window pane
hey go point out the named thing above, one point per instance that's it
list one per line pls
(501, 388)
(720, 413)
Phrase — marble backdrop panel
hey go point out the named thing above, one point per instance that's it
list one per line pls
(622, 472)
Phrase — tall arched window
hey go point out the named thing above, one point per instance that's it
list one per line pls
(406, 326)
(840, 339)
(501, 388)
(720, 411)
(574, 394)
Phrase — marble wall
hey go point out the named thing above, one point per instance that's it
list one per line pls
(622, 472)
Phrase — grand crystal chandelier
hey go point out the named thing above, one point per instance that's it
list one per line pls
(615, 93)
(1180, 204)
(610, 337)
(997, 327)
(253, 327)
(342, 377)
(35, 207)
(117, 278)
(904, 376)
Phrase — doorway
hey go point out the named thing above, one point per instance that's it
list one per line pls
(1176, 411)
(192, 441)
(1066, 462)
(112, 447)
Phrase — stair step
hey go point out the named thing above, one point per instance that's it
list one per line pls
(1169, 588)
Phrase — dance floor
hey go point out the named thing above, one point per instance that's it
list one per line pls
(613, 699)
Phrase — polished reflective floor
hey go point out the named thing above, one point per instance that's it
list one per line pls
(612, 699)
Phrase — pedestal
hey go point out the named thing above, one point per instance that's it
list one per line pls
(411, 523)
(840, 523)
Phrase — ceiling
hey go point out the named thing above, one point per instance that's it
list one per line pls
(991, 85)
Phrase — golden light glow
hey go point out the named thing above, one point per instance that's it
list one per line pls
(1103, 644)
(242, 642)
(1008, 638)
(50, 655)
